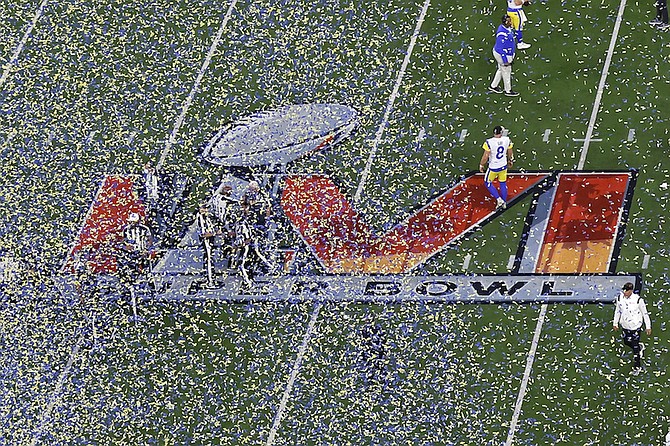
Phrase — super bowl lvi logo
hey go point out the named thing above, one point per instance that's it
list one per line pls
(567, 252)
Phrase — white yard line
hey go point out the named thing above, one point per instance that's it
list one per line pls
(375, 143)
(589, 140)
(55, 395)
(391, 101)
(582, 161)
(70, 251)
(189, 100)
(15, 56)
(526, 375)
(75, 350)
(294, 374)
(601, 86)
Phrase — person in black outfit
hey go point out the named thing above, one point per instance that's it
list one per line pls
(661, 19)
(135, 249)
(373, 352)
(153, 195)
(207, 232)
(134, 256)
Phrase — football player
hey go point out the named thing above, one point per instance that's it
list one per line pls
(499, 156)
(515, 12)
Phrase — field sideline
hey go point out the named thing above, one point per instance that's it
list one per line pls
(87, 90)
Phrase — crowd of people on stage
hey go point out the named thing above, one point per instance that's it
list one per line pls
(236, 226)
(235, 223)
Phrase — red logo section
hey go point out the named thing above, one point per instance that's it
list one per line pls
(102, 230)
(344, 243)
(582, 225)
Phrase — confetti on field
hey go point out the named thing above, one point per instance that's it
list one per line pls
(96, 90)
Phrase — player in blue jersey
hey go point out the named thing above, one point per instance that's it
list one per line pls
(515, 12)
(498, 155)
(503, 53)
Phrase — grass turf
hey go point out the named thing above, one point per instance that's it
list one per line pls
(99, 88)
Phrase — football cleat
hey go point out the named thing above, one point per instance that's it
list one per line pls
(523, 45)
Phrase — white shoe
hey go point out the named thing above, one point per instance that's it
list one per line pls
(500, 203)
(523, 45)
(636, 371)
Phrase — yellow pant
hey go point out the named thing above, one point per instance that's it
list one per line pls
(517, 19)
(491, 176)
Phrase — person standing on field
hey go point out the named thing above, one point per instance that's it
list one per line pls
(518, 17)
(660, 22)
(497, 157)
(503, 53)
(630, 312)
(207, 232)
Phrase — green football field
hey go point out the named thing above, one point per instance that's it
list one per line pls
(90, 88)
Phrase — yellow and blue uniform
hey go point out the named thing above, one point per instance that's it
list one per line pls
(515, 12)
(497, 149)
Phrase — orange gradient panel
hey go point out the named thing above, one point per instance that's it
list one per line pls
(345, 243)
(583, 223)
(102, 230)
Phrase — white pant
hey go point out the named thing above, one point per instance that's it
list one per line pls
(504, 72)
